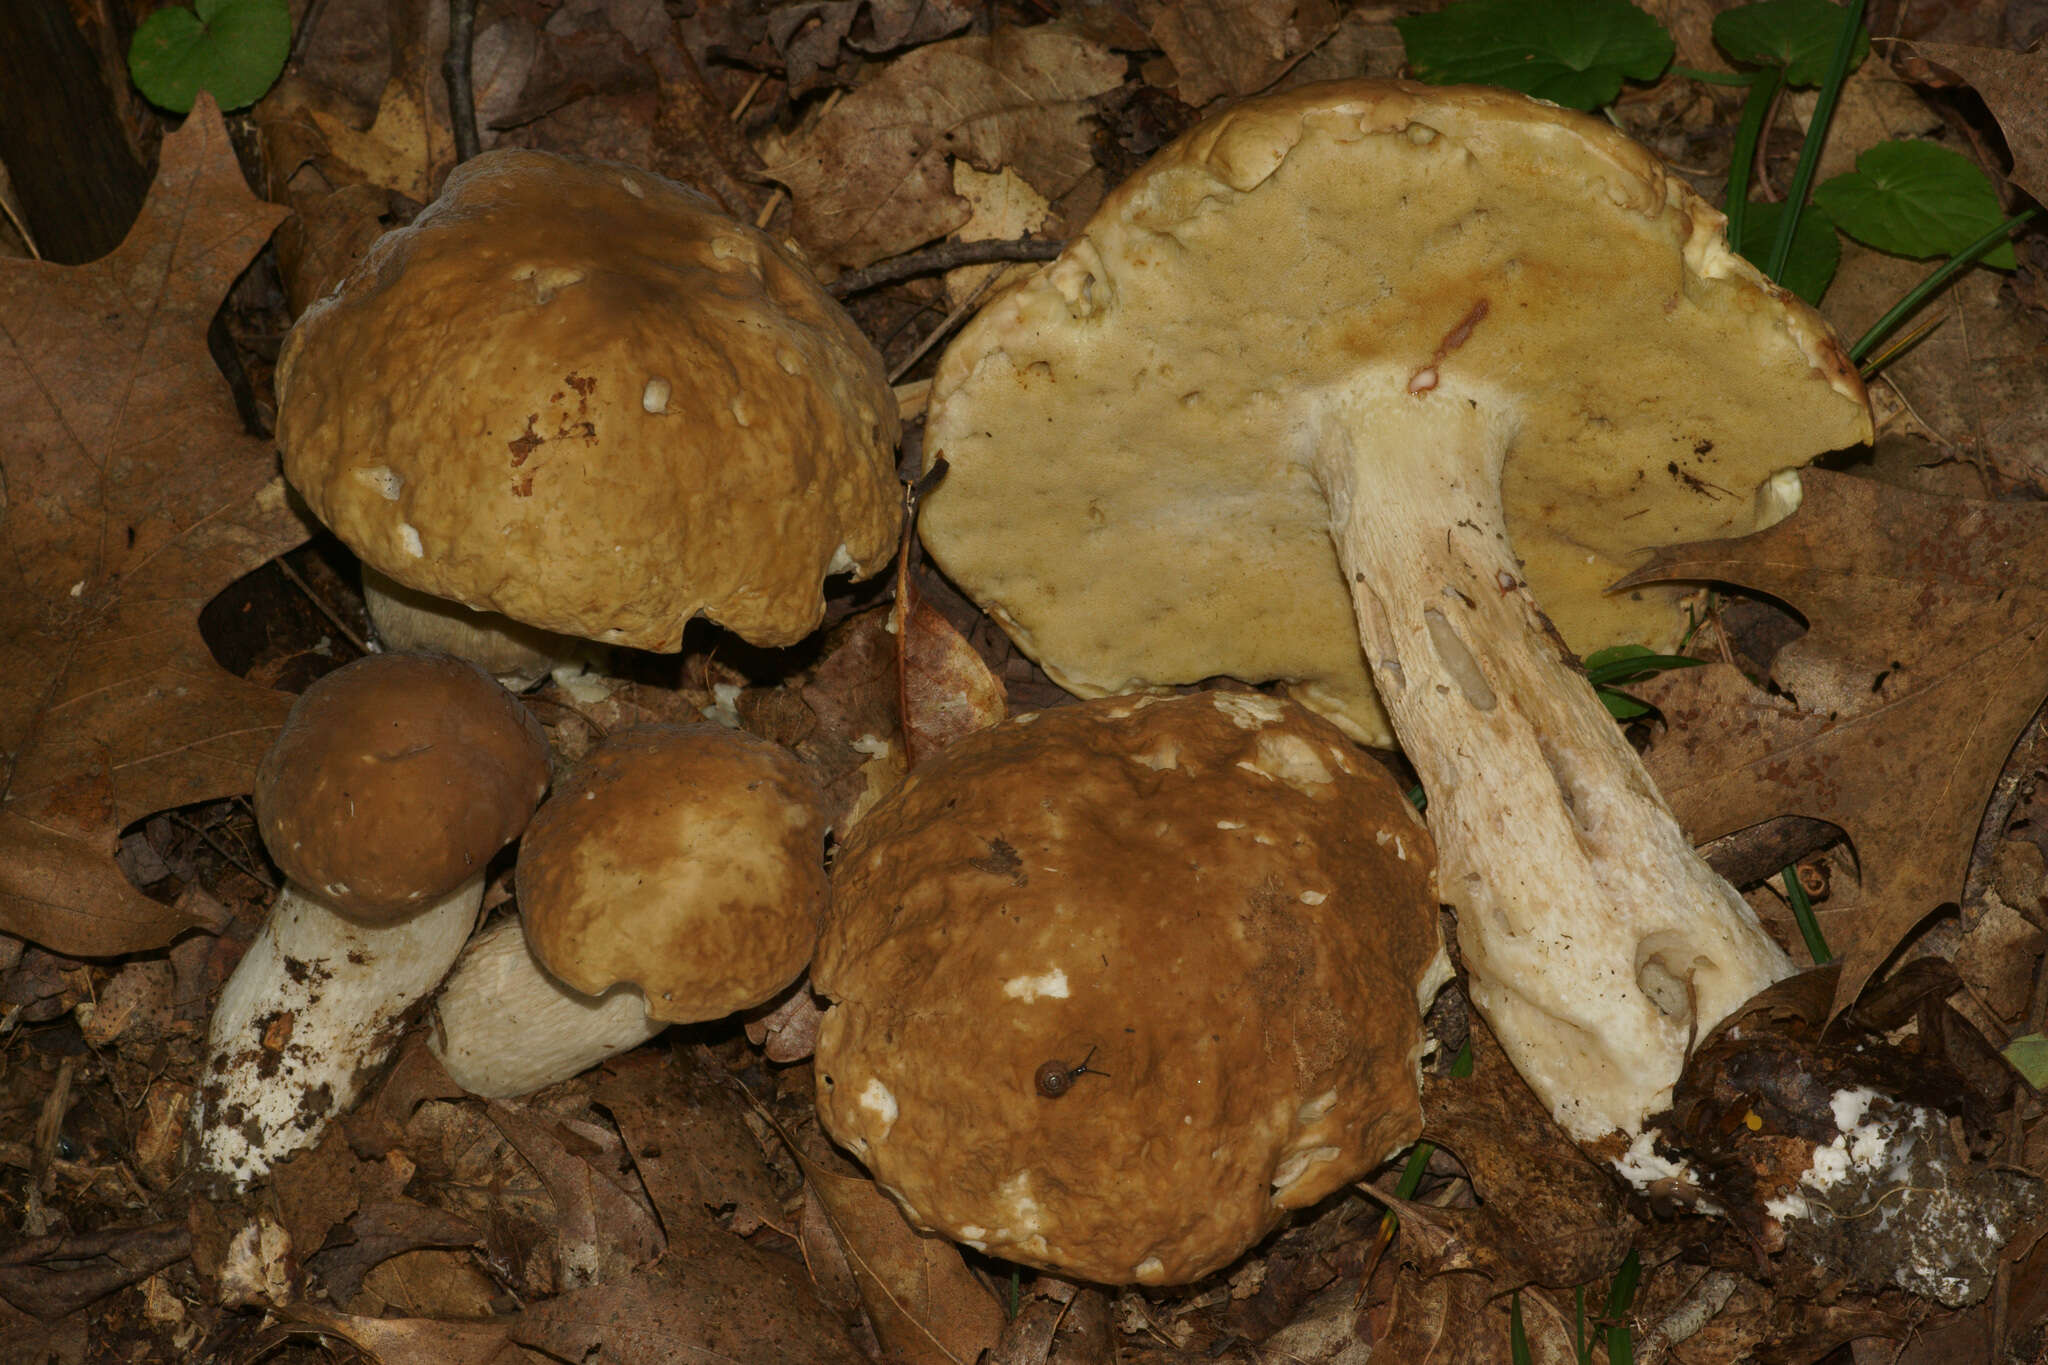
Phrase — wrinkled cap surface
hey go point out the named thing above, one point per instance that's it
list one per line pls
(1131, 432)
(1216, 900)
(577, 394)
(686, 860)
(395, 779)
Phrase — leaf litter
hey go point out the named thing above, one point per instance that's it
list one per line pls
(643, 1209)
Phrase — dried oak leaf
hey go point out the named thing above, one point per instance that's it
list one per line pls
(129, 496)
(945, 691)
(927, 1307)
(1231, 47)
(2015, 88)
(871, 177)
(1924, 659)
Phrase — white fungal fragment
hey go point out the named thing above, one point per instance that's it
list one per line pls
(1052, 984)
(387, 482)
(1247, 710)
(877, 1100)
(409, 537)
(654, 398)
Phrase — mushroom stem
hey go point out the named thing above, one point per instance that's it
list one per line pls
(1600, 946)
(505, 1027)
(311, 1011)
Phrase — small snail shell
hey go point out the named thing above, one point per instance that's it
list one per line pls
(1053, 1079)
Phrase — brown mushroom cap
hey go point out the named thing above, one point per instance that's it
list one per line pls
(1217, 901)
(394, 780)
(1134, 434)
(686, 860)
(577, 394)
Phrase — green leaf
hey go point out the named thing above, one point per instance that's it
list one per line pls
(1816, 251)
(234, 48)
(1916, 199)
(2028, 1054)
(1631, 663)
(1797, 35)
(1620, 705)
(1571, 52)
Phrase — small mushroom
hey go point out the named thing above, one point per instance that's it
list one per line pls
(678, 876)
(1117, 985)
(576, 394)
(1358, 375)
(392, 783)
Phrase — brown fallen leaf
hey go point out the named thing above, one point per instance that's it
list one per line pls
(1547, 1215)
(602, 1232)
(1925, 658)
(945, 691)
(2015, 87)
(688, 1138)
(129, 496)
(1231, 47)
(871, 178)
(1457, 1317)
(721, 1302)
(927, 1307)
(406, 1341)
(811, 34)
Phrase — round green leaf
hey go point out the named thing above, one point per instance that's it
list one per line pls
(234, 48)
(1916, 199)
(1570, 52)
(1798, 35)
(2028, 1054)
(1816, 251)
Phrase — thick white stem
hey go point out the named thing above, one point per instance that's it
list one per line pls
(1600, 945)
(311, 1012)
(503, 1027)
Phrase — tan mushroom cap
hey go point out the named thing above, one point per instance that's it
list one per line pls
(1130, 431)
(395, 779)
(1216, 900)
(685, 860)
(577, 394)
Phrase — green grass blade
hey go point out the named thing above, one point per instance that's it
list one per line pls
(1936, 282)
(1816, 135)
(1802, 914)
(1763, 88)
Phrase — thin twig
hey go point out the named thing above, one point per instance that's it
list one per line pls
(946, 326)
(27, 238)
(333, 617)
(455, 70)
(945, 256)
(739, 111)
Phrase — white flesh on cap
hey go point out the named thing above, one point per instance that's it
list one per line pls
(1599, 943)
(504, 1027)
(309, 1014)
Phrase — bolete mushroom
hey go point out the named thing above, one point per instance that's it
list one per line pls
(392, 783)
(1118, 984)
(679, 875)
(577, 394)
(1425, 354)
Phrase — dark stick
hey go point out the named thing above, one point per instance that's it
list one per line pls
(455, 70)
(946, 256)
(1750, 855)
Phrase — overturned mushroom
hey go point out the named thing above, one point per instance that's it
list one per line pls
(1308, 353)
(1116, 985)
(391, 785)
(677, 877)
(576, 394)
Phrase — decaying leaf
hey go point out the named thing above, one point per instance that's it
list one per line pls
(688, 1140)
(1546, 1215)
(725, 1302)
(1925, 657)
(602, 1231)
(946, 691)
(925, 1304)
(810, 34)
(129, 496)
(871, 177)
(1231, 47)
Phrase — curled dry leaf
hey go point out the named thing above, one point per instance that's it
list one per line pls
(1927, 654)
(129, 496)
(1229, 47)
(2011, 84)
